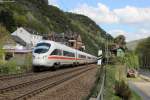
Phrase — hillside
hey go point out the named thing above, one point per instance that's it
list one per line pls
(43, 18)
(133, 44)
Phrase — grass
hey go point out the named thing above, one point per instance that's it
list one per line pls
(95, 90)
(110, 81)
(114, 73)
(135, 96)
(134, 79)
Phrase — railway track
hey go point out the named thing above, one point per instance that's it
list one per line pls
(20, 75)
(33, 87)
(25, 83)
(7, 77)
(9, 81)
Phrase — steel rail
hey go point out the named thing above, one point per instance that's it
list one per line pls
(53, 84)
(24, 84)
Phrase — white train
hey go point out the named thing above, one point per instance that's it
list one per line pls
(52, 54)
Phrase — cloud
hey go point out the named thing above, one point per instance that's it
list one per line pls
(117, 32)
(100, 14)
(53, 2)
(133, 15)
(139, 34)
(143, 33)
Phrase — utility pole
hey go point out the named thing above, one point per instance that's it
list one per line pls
(106, 57)
(106, 50)
(76, 47)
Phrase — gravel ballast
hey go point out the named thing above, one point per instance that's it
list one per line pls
(75, 89)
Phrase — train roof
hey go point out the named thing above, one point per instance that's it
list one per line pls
(66, 47)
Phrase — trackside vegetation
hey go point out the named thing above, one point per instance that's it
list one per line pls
(143, 51)
(98, 82)
(116, 87)
(131, 60)
(116, 82)
(11, 66)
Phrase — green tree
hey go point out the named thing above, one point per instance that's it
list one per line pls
(132, 60)
(120, 41)
(6, 19)
(4, 34)
(21, 20)
(143, 49)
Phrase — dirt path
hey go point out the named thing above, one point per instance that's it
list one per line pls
(142, 88)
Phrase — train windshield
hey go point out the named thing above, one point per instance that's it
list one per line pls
(42, 48)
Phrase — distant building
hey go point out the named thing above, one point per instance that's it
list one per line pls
(35, 39)
(26, 39)
(21, 43)
(118, 51)
(57, 37)
(70, 39)
(13, 49)
(77, 43)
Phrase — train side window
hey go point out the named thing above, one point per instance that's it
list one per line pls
(69, 54)
(89, 57)
(57, 52)
(82, 56)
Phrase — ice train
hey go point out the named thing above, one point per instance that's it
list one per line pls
(48, 54)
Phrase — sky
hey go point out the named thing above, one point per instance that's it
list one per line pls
(130, 18)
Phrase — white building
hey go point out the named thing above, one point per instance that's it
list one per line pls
(35, 39)
(20, 44)
(25, 38)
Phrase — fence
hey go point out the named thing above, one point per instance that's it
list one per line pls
(101, 92)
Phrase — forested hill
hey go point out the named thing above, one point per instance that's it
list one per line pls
(132, 45)
(43, 18)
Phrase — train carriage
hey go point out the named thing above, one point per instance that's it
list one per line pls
(52, 54)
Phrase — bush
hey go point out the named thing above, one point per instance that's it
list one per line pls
(21, 20)
(143, 50)
(132, 60)
(9, 67)
(7, 19)
(122, 90)
(4, 35)
(27, 67)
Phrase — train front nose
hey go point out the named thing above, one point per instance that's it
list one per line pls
(39, 60)
(40, 54)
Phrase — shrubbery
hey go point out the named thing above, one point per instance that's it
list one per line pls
(21, 20)
(9, 67)
(122, 90)
(27, 66)
(143, 50)
(132, 60)
(4, 35)
(7, 19)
